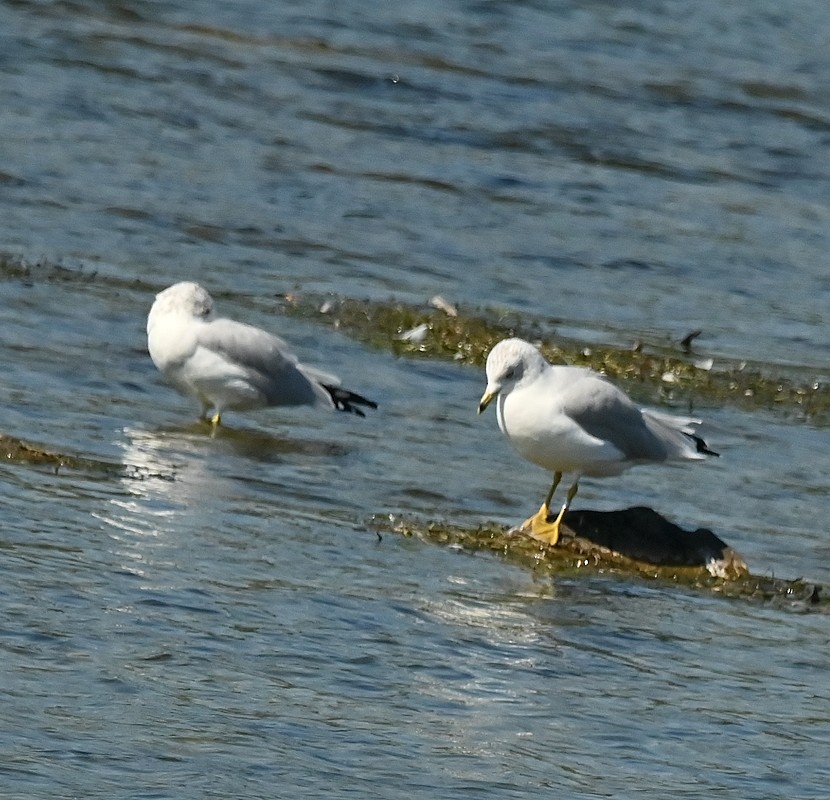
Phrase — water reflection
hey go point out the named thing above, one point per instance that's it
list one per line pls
(181, 485)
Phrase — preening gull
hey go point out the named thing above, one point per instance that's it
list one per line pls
(227, 365)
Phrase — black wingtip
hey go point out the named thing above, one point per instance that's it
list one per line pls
(701, 445)
(344, 400)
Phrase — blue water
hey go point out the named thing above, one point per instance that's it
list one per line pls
(216, 617)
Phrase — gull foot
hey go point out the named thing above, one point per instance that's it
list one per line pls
(540, 528)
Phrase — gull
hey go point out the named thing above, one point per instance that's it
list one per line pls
(228, 365)
(573, 420)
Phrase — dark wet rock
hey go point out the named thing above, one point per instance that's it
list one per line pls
(635, 543)
(641, 534)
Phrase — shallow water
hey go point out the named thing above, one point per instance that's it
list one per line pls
(214, 617)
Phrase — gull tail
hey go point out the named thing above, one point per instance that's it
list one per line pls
(344, 400)
(678, 434)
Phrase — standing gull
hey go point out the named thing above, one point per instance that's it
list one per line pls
(571, 419)
(229, 365)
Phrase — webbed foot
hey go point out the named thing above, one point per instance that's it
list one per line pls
(541, 528)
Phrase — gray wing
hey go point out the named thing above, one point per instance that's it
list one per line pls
(607, 413)
(266, 360)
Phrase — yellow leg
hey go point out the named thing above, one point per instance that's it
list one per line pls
(216, 420)
(557, 476)
(538, 526)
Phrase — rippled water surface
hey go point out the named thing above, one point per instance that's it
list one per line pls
(187, 616)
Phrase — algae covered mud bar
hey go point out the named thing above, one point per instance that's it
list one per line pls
(435, 329)
(468, 335)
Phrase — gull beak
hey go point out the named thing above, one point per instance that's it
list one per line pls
(486, 399)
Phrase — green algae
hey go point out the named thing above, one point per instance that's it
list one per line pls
(16, 451)
(580, 558)
(466, 337)
(570, 557)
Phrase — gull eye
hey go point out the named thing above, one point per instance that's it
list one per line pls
(510, 373)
